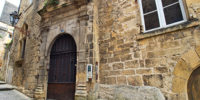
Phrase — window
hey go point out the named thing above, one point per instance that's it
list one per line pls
(157, 14)
(23, 41)
(23, 44)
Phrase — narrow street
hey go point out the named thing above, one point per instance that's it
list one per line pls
(8, 92)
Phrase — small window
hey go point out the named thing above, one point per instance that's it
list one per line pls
(23, 46)
(157, 14)
(23, 40)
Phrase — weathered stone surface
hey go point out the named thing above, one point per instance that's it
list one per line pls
(192, 58)
(13, 95)
(134, 80)
(123, 92)
(153, 80)
(132, 64)
(178, 85)
(182, 70)
(161, 70)
(118, 66)
(111, 80)
(128, 72)
(109, 33)
(198, 50)
(121, 80)
(144, 71)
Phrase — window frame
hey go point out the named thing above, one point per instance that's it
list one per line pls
(23, 48)
(161, 15)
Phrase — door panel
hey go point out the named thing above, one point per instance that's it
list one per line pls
(61, 91)
(62, 72)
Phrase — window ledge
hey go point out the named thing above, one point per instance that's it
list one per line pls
(188, 24)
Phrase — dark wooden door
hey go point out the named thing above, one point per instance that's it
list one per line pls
(62, 72)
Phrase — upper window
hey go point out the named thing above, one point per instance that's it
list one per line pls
(158, 14)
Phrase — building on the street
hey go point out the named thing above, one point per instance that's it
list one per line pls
(107, 49)
(6, 32)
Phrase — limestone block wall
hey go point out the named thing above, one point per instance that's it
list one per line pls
(25, 70)
(109, 32)
(129, 57)
(30, 74)
(124, 92)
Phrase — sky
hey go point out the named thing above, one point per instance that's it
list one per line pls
(15, 2)
(2, 2)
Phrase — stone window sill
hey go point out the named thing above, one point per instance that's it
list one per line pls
(188, 24)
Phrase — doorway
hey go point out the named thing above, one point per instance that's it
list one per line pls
(194, 85)
(62, 71)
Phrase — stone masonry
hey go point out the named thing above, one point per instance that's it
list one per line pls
(109, 35)
(130, 57)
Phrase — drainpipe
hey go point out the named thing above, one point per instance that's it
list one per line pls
(19, 6)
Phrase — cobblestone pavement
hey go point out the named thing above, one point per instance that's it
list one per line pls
(7, 92)
(12, 95)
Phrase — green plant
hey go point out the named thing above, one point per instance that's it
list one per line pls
(51, 3)
(1, 36)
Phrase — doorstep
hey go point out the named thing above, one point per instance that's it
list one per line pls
(6, 87)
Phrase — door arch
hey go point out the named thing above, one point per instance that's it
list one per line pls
(62, 71)
(193, 88)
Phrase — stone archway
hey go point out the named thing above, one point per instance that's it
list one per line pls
(62, 71)
(193, 85)
(183, 70)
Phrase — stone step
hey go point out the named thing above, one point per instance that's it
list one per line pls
(81, 85)
(2, 82)
(82, 95)
(6, 87)
(81, 92)
(81, 88)
(40, 88)
(38, 91)
(13, 95)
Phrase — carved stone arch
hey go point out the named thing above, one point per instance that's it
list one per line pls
(49, 44)
(183, 70)
(52, 40)
(62, 58)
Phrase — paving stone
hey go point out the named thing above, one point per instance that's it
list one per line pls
(6, 87)
(13, 95)
(2, 82)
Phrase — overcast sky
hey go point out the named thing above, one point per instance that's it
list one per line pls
(15, 2)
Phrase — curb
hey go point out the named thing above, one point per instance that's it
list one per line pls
(2, 82)
(4, 87)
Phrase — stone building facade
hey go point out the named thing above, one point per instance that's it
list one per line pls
(6, 32)
(129, 62)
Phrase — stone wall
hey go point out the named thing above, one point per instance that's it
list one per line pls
(124, 92)
(5, 43)
(30, 74)
(109, 32)
(130, 57)
(25, 70)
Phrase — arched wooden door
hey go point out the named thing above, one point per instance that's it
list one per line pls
(62, 72)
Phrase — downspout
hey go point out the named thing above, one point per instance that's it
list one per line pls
(19, 6)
